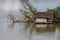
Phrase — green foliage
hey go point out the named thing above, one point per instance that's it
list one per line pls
(29, 12)
(56, 10)
(24, 0)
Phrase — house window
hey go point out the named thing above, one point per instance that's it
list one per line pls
(41, 20)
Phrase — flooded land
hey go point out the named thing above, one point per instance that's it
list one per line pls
(23, 31)
(29, 20)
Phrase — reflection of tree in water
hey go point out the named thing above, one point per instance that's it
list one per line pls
(11, 26)
(47, 28)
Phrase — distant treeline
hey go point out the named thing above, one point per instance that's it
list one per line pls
(56, 10)
(57, 13)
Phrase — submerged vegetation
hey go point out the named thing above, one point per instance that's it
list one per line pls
(29, 15)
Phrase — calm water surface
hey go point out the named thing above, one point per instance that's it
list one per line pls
(16, 31)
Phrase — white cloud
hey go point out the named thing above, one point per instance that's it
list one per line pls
(9, 5)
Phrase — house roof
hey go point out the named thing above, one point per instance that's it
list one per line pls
(44, 14)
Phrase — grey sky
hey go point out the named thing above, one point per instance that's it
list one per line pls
(45, 0)
(15, 5)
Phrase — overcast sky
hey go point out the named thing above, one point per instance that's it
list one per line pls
(42, 5)
(15, 5)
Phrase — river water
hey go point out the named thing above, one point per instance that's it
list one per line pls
(16, 31)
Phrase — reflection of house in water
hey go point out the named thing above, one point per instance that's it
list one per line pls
(41, 28)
